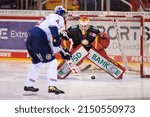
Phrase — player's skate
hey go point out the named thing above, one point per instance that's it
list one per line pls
(29, 91)
(54, 92)
(53, 89)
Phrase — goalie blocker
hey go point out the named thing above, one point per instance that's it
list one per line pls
(100, 60)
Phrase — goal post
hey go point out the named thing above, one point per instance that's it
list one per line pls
(128, 44)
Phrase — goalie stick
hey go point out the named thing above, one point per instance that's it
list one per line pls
(64, 73)
(73, 67)
(86, 68)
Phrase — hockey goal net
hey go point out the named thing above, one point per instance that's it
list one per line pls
(128, 44)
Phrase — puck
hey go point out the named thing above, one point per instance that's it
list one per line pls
(92, 77)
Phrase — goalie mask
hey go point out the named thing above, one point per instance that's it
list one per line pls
(84, 23)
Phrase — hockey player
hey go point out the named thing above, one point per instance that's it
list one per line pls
(94, 41)
(42, 43)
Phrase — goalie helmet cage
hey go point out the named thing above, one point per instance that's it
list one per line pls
(128, 44)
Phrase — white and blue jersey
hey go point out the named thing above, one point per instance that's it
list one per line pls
(40, 38)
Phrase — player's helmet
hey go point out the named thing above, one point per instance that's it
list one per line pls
(60, 11)
(84, 23)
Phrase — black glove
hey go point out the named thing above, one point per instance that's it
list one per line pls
(66, 54)
(56, 41)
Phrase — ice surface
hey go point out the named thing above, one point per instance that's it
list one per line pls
(12, 79)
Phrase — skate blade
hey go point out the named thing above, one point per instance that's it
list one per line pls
(56, 96)
(29, 93)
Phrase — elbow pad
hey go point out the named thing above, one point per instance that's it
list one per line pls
(56, 37)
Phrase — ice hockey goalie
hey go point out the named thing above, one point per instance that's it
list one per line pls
(91, 44)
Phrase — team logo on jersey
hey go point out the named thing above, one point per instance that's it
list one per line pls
(85, 42)
(48, 56)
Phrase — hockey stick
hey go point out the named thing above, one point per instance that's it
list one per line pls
(73, 67)
(76, 70)
(125, 62)
(86, 68)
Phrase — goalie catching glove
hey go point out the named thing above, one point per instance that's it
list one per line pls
(65, 54)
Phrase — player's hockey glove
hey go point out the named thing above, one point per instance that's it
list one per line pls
(56, 41)
(66, 54)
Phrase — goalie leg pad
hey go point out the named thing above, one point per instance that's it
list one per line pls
(63, 70)
(66, 67)
(106, 63)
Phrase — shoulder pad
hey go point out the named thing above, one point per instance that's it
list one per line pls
(94, 27)
(74, 26)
